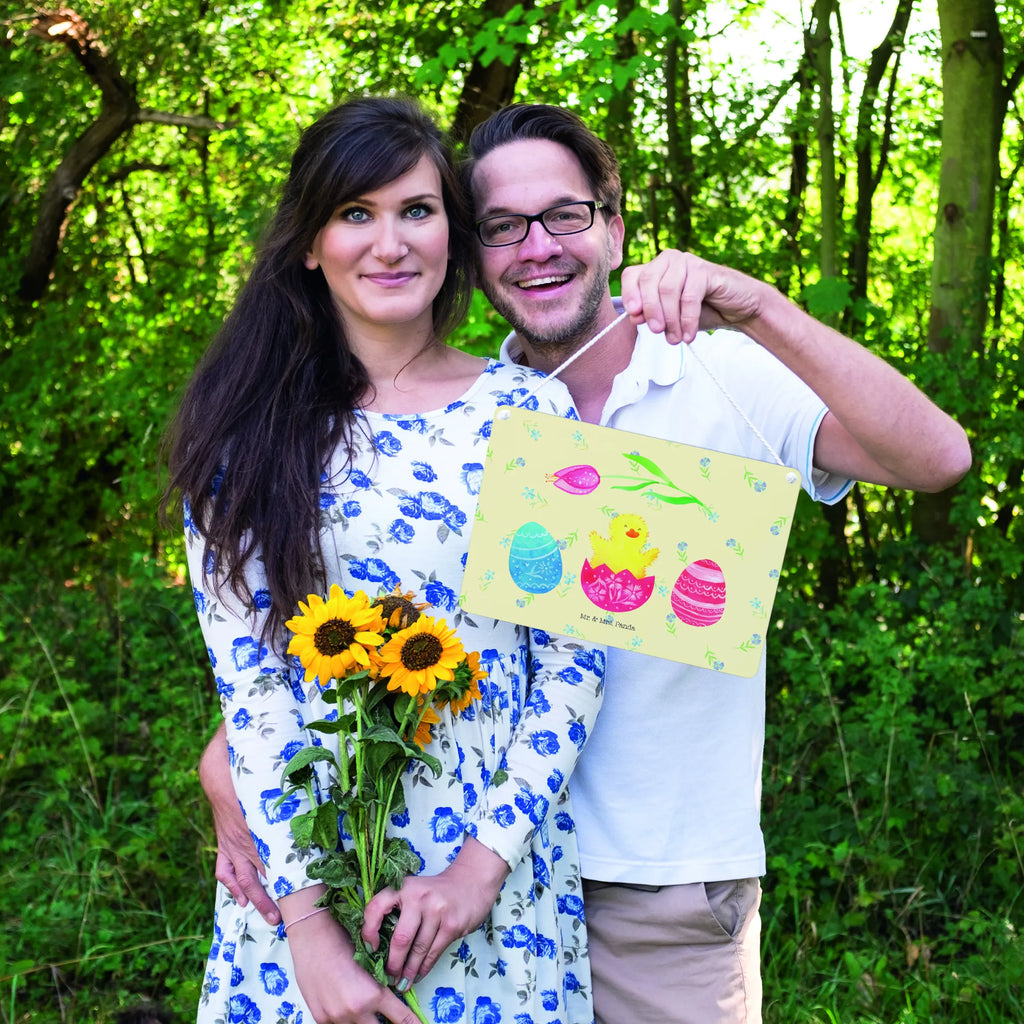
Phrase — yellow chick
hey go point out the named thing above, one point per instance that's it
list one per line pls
(624, 546)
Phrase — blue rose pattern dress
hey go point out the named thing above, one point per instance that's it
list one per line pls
(402, 516)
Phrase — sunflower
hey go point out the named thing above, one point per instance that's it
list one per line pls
(424, 734)
(335, 636)
(399, 610)
(472, 691)
(417, 657)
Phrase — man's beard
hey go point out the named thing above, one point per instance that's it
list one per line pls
(566, 337)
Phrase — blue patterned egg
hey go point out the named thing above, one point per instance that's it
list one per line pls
(534, 561)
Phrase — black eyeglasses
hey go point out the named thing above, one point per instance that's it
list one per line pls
(564, 219)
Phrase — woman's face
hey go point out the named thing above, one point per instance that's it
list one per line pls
(385, 254)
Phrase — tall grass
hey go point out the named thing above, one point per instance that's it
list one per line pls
(893, 803)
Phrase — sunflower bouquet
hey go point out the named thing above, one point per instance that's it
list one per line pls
(390, 669)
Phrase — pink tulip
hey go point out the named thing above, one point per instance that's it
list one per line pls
(576, 479)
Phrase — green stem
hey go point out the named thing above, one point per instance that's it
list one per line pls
(359, 833)
(414, 1004)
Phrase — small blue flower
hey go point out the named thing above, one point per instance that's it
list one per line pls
(200, 600)
(518, 937)
(387, 444)
(242, 1010)
(448, 1005)
(541, 874)
(261, 848)
(274, 979)
(351, 509)
(578, 734)
(282, 887)
(504, 815)
(415, 424)
(538, 701)
(564, 822)
(472, 475)
(328, 500)
(441, 596)
(424, 471)
(357, 478)
(533, 805)
(549, 999)
(289, 750)
(274, 812)
(486, 1011)
(555, 781)
(454, 518)
(572, 676)
(241, 719)
(544, 742)
(401, 531)
(540, 638)
(261, 600)
(571, 905)
(446, 826)
(434, 505)
(247, 652)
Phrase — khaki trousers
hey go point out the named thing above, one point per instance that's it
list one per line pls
(675, 954)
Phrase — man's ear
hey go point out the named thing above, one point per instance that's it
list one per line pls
(616, 236)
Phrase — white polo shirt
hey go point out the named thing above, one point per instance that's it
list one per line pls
(668, 788)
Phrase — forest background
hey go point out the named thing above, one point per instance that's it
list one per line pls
(865, 157)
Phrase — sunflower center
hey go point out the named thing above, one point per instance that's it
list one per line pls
(421, 651)
(391, 603)
(334, 636)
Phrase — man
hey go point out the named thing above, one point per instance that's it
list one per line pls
(667, 791)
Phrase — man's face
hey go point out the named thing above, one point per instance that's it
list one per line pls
(552, 289)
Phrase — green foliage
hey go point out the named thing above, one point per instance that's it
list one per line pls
(892, 806)
(103, 837)
(892, 768)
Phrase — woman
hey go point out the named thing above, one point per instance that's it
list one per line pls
(330, 436)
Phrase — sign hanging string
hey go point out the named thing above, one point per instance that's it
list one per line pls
(690, 350)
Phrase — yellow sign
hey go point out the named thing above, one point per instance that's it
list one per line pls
(629, 541)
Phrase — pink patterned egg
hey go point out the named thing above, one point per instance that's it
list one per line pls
(698, 597)
(614, 592)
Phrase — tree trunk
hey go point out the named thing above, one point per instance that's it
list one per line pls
(869, 173)
(973, 107)
(486, 89)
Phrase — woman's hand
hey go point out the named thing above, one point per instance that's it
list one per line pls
(336, 989)
(435, 910)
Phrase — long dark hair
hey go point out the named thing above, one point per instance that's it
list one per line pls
(276, 393)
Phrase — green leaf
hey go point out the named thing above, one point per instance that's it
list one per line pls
(827, 298)
(339, 869)
(298, 769)
(302, 828)
(329, 727)
(648, 464)
(325, 827)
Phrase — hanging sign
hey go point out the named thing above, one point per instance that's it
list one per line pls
(629, 541)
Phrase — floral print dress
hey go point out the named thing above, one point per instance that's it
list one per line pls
(401, 516)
